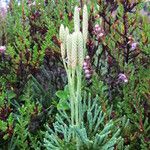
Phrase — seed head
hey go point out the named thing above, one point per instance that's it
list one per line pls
(76, 20)
(61, 32)
(69, 48)
(74, 53)
(62, 50)
(80, 49)
(85, 23)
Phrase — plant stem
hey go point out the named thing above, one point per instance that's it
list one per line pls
(79, 76)
(68, 71)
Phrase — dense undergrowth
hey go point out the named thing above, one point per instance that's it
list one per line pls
(75, 75)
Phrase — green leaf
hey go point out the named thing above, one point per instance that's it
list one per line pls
(11, 95)
(10, 119)
(63, 95)
(62, 105)
(5, 137)
(3, 126)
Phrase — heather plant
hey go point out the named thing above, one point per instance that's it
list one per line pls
(135, 105)
(36, 41)
(111, 44)
(19, 55)
(21, 121)
(6, 114)
(118, 47)
(29, 40)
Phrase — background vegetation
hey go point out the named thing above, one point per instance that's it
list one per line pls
(33, 83)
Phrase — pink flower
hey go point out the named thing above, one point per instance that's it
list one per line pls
(100, 35)
(79, 9)
(97, 26)
(31, 3)
(87, 71)
(122, 78)
(134, 46)
(88, 75)
(98, 31)
(2, 49)
(85, 64)
(3, 9)
(85, 67)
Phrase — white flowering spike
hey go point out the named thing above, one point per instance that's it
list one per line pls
(76, 20)
(69, 48)
(80, 49)
(61, 33)
(74, 50)
(66, 32)
(85, 23)
(63, 50)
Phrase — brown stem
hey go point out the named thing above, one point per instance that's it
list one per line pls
(126, 50)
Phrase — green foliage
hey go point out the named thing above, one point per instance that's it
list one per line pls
(20, 125)
(94, 132)
(63, 99)
(115, 115)
(31, 37)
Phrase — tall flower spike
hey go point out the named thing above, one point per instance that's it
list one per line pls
(74, 50)
(61, 33)
(69, 47)
(66, 32)
(62, 50)
(76, 20)
(85, 23)
(80, 49)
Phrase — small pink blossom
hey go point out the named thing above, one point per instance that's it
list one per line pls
(88, 75)
(97, 26)
(3, 9)
(100, 35)
(87, 71)
(2, 49)
(122, 78)
(79, 9)
(98, 31)
(85, 67)
(31, 3)
(134, 46)
(84, 64)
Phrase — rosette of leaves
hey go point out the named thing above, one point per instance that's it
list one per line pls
(93, 133)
